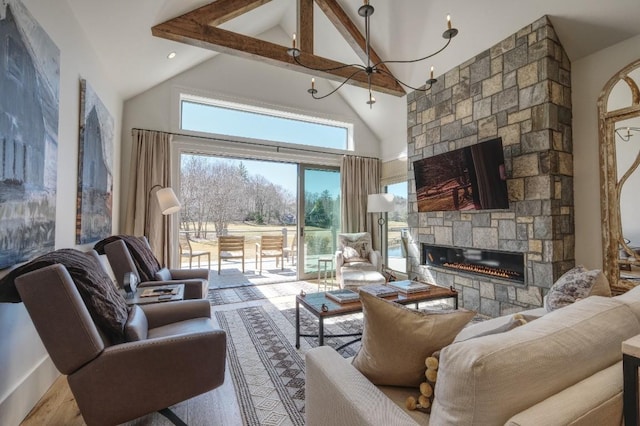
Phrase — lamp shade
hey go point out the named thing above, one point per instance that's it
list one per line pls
(380, 203)
(167, 201)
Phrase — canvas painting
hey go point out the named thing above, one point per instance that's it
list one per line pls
(95, 168)
(29, 102)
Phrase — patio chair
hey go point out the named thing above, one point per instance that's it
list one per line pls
(230, 247)
(270, 246)
(187, 251)
(291, 252)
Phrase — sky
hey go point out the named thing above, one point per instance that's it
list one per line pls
(224, 121)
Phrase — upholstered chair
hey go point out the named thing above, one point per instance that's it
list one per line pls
(355, 253)
(196, 281)
(156, 356)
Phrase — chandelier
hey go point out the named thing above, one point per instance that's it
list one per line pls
(366, 10)
(625, 134)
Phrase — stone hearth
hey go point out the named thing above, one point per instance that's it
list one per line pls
(519, 90)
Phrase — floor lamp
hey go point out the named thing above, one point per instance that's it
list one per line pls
(167, 201)
(380, 203)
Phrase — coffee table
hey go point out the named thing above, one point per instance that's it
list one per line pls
(320, 306)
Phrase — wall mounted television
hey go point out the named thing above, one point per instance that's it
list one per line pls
(469, 178)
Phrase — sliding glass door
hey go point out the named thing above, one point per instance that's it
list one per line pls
(319, 220)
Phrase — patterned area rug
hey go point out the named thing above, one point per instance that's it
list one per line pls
(267, 370)
(223, 296)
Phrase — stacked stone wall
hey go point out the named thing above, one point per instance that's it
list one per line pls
(519, 90)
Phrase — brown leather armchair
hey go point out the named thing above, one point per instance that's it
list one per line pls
(196, 281)
(172, 352)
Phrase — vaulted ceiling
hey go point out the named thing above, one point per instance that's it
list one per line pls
(120, 32)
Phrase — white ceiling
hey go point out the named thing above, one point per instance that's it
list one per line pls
(120, 32)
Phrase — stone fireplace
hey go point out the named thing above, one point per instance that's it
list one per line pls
(518, 90)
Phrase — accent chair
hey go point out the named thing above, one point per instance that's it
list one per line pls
(196, 281)
(170, 351)
(355, 255)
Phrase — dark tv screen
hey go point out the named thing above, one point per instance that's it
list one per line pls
(470, 178)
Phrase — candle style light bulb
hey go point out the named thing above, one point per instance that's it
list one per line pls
(449, 21)
(431, 71)
(294, 40)
(313, 83)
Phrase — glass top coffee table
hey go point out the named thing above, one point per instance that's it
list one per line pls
(321, 306)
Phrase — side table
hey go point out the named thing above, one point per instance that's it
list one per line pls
(137, 299)
(630, 365)
(325, 269)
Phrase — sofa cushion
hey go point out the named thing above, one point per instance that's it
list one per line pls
(632, 299)
(596, 400)
(513, 321)
(399, 396)
(490, 379)
(396, 340)
(576, 284)
(489, 326)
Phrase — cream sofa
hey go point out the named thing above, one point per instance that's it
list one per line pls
(563, 368)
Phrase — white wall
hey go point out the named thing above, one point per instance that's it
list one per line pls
(26, 371)
(588, 77)
(244, 81)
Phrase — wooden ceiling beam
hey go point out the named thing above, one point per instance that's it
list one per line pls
(188, 31)
(305, 25)
(221, 11)
(349, 31)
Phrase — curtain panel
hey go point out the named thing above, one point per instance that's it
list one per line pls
(150, 166)
(360, 177)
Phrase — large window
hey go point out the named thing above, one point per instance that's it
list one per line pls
(225, 118)
(397, 228)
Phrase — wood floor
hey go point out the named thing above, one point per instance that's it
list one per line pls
(217, 407)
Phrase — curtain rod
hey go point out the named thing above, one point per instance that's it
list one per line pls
(249, 143)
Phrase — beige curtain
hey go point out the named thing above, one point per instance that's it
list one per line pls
(359, 177)
(150, 166)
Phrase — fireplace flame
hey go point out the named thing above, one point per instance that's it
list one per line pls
(480, 269)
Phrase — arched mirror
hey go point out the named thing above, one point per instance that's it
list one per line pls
(619, 110)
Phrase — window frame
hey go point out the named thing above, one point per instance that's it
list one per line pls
(268, 111)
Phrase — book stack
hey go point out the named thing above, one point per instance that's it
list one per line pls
(343, 296)
(379, 290)
(409, 287)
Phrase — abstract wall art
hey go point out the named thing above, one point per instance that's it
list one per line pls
(29, 102)
(95, 168)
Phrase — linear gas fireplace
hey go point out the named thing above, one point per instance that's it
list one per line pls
(490, 263)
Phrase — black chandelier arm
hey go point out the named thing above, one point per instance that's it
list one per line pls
(337, 88)
(405, 84)
(410, 61)
(295, 58)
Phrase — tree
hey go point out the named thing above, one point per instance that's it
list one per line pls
(219, 192)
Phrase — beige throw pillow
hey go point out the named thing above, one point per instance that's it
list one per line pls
(396, 340)
(349, 254)
(577, 283)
